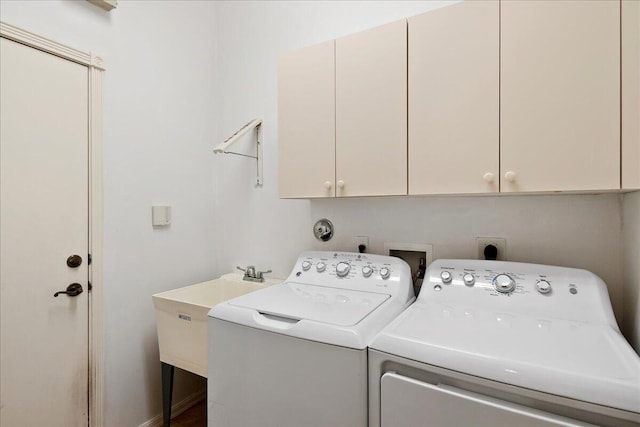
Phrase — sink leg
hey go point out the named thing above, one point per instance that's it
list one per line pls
(167, 391)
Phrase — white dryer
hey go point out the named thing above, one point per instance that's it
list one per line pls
(491, 343)
(295, 354)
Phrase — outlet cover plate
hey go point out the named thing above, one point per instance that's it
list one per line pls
(498, 242)
(362, 240)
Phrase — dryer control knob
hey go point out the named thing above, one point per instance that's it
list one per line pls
(321, 266)
(342, 269)
(504, 283)
(366, 271)
(469, 279)
(543, 287)
(446, 277)
(385, 272)
(306, 265)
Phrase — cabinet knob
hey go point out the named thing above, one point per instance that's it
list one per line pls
(510, 176)
(328, 185)
(488, 177)
(341, 184)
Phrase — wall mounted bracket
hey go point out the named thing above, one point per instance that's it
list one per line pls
(253, 124)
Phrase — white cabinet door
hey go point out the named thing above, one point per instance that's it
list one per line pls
(306, 122)
(630, 94)
(453, 99)
(44, 199)
(371, 112)
(560, 95)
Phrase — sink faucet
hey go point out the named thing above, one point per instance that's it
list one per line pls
(252, 275)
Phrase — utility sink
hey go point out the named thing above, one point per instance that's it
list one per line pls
(181, 318)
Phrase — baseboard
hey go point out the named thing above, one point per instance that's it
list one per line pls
(177, 408)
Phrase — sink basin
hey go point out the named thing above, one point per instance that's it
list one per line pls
(181, 318)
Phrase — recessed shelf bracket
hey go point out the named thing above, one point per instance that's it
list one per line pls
(253, 124)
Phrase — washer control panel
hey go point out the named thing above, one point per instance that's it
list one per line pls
(352, 270)
(517, 287)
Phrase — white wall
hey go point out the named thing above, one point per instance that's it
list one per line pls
(182, 76)
(254, 226)
(631, 251)
(158, 126)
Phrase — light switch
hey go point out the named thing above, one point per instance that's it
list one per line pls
(160, 216)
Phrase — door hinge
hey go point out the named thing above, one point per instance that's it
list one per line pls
(88, 259)
(89, 287)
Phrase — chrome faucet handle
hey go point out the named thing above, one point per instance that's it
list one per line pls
(259, 274)
(249, 270)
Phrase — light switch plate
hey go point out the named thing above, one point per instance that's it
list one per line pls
(160, 216)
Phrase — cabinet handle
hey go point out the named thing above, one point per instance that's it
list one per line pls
(488, 177)
(328, 185)
(510, 176)
(341, 184)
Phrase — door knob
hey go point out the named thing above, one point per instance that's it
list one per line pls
(74, 261)
(73, 290)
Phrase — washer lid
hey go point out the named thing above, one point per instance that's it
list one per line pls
(301, 301)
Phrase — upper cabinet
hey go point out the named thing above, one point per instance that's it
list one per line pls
(371, 112)
(630, 94)
(475, 97)
(560, 95)
(454, 99)
(306, 122)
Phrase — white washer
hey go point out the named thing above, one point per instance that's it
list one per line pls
(295, 354)
(492, 343)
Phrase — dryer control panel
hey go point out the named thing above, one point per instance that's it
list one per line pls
(349, 270)
(533, 289)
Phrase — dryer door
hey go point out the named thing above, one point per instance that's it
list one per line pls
(408, 402)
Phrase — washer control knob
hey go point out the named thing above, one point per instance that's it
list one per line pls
(446, 277)
(504, 283)
(366, 271)
(543, 286)
(342, 269)
(385, 272)
(469, 279)
(306, 265)
(321, 266)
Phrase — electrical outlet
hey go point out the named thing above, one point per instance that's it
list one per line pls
(362, 240)
(498, 242)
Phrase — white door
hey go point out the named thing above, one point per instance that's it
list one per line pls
(44, 220)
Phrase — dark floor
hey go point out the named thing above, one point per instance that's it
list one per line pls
(196, 416)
